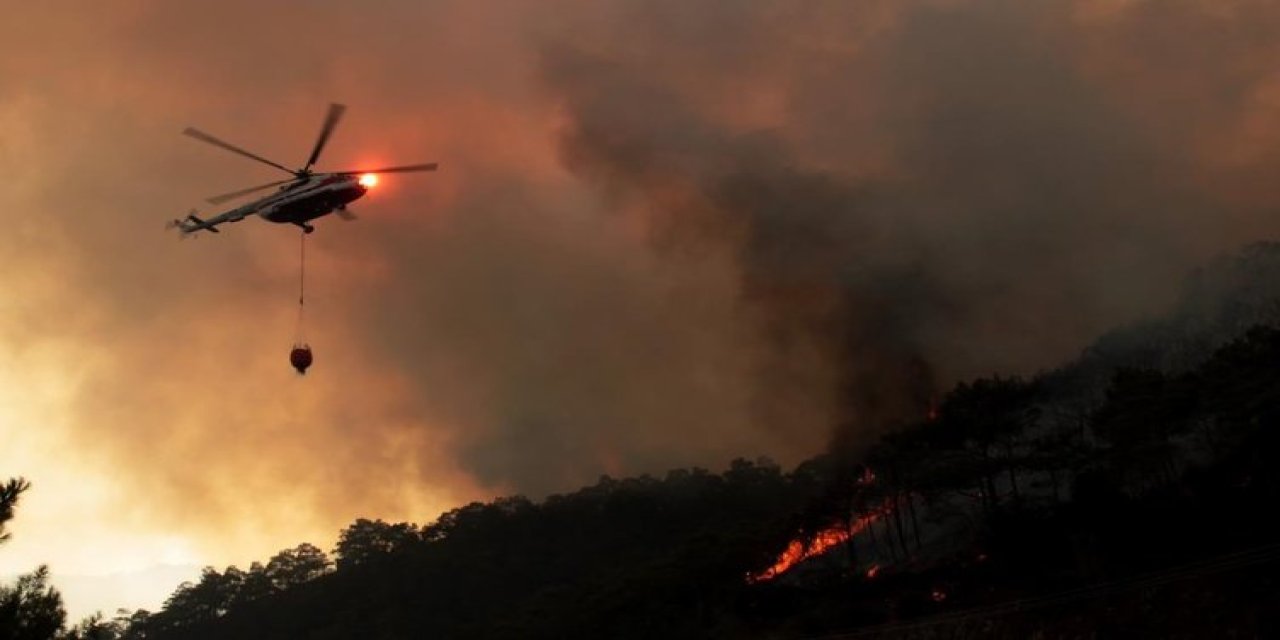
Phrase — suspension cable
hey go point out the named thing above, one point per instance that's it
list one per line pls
(302, 280)
(302, 267)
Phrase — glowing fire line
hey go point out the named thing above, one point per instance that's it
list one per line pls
(801, 549)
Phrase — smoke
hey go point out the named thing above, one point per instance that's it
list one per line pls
(663, 234)
(946, 193)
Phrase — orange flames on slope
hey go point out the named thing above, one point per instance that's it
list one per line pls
(800, 549)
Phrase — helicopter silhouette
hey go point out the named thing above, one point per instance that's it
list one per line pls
(300, 199)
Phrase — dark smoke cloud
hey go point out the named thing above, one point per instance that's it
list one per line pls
(950, 193)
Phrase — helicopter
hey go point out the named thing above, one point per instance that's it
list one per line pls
(300, 199)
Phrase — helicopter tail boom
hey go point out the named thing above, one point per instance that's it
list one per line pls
(192, 224)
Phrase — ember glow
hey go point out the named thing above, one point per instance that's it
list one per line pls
(802, 549)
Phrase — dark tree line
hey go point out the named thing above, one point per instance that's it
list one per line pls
(634, 557)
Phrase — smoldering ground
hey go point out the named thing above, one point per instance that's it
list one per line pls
(664, 234)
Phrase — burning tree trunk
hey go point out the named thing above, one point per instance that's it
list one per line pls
(915, 522)
(871, 532)
(897, 520)
(1013, 478)
(850, 543)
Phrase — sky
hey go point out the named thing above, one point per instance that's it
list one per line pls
(663, 234)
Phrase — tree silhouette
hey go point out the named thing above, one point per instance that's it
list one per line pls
(9, 494)
(368, 539)
(1143, 411)
(196, 603)
(295, 566)
(982, 424)
(257, 584)
(95, 627)
(31, 609)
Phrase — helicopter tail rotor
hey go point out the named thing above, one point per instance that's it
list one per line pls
(190, 225)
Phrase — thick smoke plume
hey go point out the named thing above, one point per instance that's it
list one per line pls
(928, 192)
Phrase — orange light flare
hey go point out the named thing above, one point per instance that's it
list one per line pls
(873, 571)
(801, 549)
(369, 180)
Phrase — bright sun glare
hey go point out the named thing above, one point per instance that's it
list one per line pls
(368, 180)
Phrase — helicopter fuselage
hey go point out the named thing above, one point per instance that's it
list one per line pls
(310, 200)
(301, 202)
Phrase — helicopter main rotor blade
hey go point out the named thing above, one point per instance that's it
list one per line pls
(330, 123)
(430, 166)
(244, 192)
(204, 137)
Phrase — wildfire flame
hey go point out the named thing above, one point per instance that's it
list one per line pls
(801, 549)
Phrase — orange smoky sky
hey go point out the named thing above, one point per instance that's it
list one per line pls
(663, 234)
